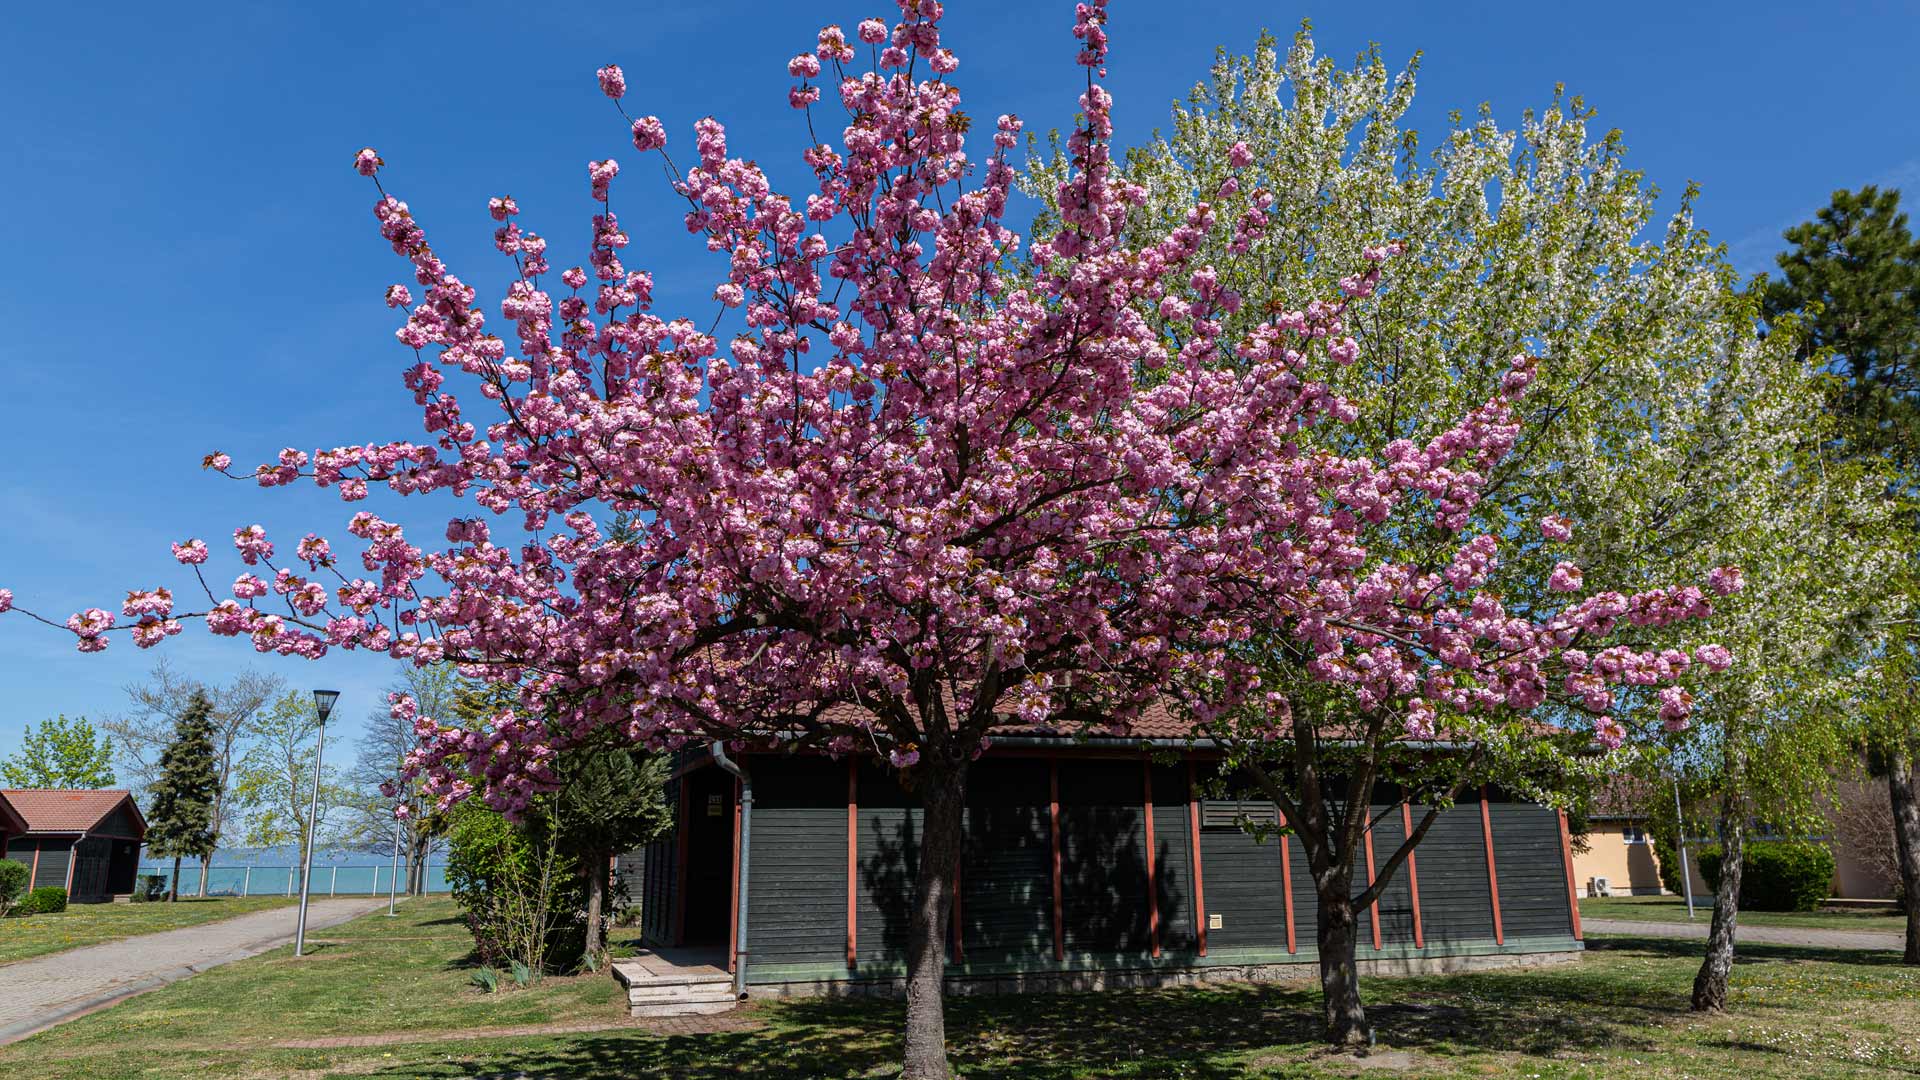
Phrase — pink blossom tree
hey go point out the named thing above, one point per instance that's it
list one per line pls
(935, 483)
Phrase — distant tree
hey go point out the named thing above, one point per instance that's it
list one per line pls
(157, 704)
(384, 745)
(182, 798)
(61, 753)
(610, 800)
(274, 782)
(1852, 275)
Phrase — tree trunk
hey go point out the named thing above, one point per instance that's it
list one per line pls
(1346, 1018)
(1906, 833)
(596, 908)
(942, 788)
(1710, 985)
(206, 861)
(174, 892)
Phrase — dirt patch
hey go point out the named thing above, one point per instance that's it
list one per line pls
(1350, 1064)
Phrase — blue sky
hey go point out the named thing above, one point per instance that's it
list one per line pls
(195, 265)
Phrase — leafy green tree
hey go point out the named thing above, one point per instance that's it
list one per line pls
(61, 753)
(274, 782)
(180, 819)
(1665, 434)
(376, 776)
(1852, 277)
(609, 801)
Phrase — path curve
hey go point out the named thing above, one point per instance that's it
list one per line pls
(1759, 935)
(48, 990)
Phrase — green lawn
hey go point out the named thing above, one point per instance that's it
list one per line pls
(91, 924)
(1620, 1011)
(1674, 909)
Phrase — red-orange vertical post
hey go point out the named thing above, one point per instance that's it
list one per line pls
(1493, 871)
(1413, 876)
(853, 862)
(1573, 893)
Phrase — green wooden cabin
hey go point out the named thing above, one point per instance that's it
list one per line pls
(1087, 863)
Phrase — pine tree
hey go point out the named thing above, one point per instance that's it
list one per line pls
(610, 800)
(1853, 276)
(180, 818)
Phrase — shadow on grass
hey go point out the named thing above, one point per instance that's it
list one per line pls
(1199, 1033)
(1744, 952)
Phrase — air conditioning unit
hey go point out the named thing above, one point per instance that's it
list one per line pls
(1599, 886)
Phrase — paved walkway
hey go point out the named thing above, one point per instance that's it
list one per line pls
(1761, 935)
(48, 990)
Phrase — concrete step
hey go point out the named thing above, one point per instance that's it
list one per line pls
(684, 1008)
(656, 988)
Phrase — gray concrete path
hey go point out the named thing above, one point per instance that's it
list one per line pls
(39, 993)
(1761, 935)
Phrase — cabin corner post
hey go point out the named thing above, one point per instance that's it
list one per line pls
(1199, 877)
(1493, 871)
(853, 861)
(1053, 822)
(1413, 875)
(1286, 879)
(1573, 893)
(1373, 906)
(1153, 877)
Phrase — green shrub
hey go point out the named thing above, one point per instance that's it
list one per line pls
(45, 900)
(523, 902)
(1776, 875)
(13, 882)
(149, 887)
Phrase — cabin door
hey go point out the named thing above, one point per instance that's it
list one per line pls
(709, 884)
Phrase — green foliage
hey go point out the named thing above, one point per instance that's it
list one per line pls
(1776, 875)
(522, 899)
(274, 782)
(149, 887)
(45, 900)
(1669, 858)
(180, 813)
(60, 753)
(486, 980)
(13, 882)
(1852, 275)
(609, 801)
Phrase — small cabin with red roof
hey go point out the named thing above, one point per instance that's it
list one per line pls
(86, 842)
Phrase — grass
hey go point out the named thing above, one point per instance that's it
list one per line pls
(1798, 1013)
(1674, 909)
(91, 924)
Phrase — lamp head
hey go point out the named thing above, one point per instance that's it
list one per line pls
(323, 702)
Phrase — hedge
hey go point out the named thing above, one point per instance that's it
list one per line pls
(1776, 875)
(13, 882)
(44, 900)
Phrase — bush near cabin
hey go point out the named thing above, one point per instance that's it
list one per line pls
(1779, 875)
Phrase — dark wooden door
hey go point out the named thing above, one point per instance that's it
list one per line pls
(709, 885)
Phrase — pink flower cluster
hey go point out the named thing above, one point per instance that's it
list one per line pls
(912, 484)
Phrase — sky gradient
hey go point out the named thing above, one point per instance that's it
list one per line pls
(195, 265)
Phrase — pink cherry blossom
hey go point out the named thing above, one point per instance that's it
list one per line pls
(1726, 580)
(367, 162)
(1566, 577)
(1556, 527)
(191, 553)
(613, 81)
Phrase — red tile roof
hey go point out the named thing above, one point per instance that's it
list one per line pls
(66, 811)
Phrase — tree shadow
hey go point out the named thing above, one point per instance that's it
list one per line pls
(1744, 952)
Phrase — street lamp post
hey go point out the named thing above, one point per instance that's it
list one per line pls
(393, 880)
(323, 704)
